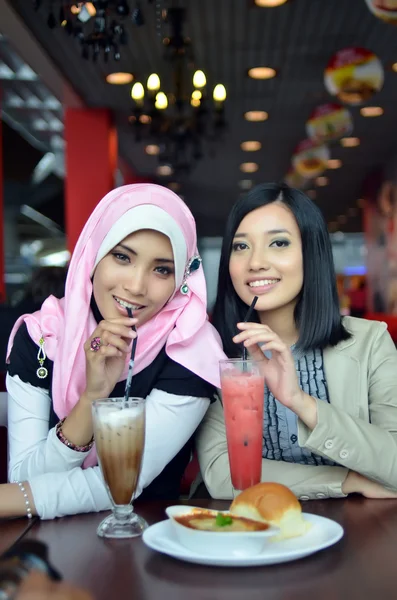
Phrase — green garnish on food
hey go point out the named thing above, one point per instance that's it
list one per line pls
(223, 520)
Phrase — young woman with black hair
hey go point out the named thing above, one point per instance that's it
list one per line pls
(330, 412)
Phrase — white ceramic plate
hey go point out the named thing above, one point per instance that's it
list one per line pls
(323, 533)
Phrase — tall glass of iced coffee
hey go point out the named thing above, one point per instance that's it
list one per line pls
(119, 433)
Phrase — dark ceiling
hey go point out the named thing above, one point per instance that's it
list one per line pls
(230, 36)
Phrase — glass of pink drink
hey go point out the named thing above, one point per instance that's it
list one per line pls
(243, 390)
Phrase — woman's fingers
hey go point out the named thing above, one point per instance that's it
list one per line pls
(275, 346)
(123, 329)
(247, 326)
(108, 352)
(116, 332)
(110, 339)
(261, 334)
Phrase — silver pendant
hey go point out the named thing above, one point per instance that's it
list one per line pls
(42, 373)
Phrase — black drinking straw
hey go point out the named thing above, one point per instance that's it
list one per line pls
(247, 318)
(132, 360)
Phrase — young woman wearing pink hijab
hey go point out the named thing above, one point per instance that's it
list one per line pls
(138, 250)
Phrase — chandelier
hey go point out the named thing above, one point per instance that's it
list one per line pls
(99, 25)
(180, 125)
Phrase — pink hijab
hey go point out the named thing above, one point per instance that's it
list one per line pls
(182, 325)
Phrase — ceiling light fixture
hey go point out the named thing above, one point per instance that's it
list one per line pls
(350, 142)
(371, 111)
(119, 78)
(251, 146)
(249, 167)
(334, 163)
(269, 3)
(245, 184)
(256, 115)
(322, 181)
(152, 149)
(98, 26)
(185, 124)
(164, 170)
(261, 73)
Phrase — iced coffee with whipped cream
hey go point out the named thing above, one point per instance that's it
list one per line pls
(119, 432)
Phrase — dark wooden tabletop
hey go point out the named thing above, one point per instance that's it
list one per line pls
(11, 530)
(363, 565)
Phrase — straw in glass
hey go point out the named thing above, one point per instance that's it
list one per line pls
(131, 363)
(247, 318)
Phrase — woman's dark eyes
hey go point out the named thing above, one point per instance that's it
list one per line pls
(164, 270)
(280, 243)
(121, 257)
(239, 246)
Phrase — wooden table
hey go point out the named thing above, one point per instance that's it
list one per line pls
(11, 530)
(363, 565)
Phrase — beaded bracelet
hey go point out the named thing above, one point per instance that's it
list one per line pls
(27, 503)
(65, 441)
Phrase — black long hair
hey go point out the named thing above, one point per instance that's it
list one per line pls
(317, 315)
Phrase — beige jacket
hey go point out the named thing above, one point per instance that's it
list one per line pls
(357, 429)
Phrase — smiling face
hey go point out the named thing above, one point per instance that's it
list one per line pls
(266, 258)
(138, 273)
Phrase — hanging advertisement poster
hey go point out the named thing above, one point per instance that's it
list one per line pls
(328, 123)
(384, 9)
(354, 75)
(310, 159)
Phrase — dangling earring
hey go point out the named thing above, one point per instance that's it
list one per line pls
(41, 372)
(192, 266)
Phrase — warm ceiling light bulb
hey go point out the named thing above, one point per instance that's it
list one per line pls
(334, 163)
(161, 102)
(261, 73)
(394, 67)
(199, 79)
(350, 142)
(371, 111)
(249, 167)
(164, 170)
(270, 3)
(251, 146)
(197, 95)
(219, 93)
(322, 181)
(152, 149)
(256, 115)
(153, 82)
(195, 102)
(137, 91)
(246, 184)
(119, 78)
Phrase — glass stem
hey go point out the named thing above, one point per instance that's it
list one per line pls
(123, 513)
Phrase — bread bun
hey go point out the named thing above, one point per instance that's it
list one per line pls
(272, 503)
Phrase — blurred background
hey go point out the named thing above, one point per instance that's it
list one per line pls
(208, 98)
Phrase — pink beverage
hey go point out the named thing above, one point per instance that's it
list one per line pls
(243, 389)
